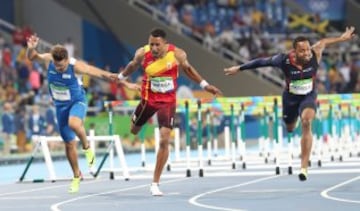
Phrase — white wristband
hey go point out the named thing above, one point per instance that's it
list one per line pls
(203, 84)
(121, 76)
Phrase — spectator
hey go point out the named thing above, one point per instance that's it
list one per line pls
(11, 95)
(20, 129)
(354, 75)
(6, 56)
(18, 40)
(27, 32)
(52, 127)
(95, 102)
(344, 70)
(227, 39)
(37, 122)
(2, 44)
(172, 16)
(35, 80)
(23, 76)
(8, 129)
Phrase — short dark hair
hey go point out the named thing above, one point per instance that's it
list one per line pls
(299, 39)
(156, 32)
(59, 53)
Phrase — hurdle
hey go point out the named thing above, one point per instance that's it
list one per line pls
(271, 144)
(241, 135)
(41, 142)
(115, 141)
(187, 132)
(209, 137)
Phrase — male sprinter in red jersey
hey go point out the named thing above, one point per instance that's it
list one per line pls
(299, 97)
(160, 61)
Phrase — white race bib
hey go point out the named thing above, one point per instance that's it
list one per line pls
(161, 84)
(301, 87)
(60, 92)
(36, 128)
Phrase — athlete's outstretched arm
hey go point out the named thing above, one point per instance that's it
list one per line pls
(84, 68)
(190, 71)
(133, 65)
(319, 46)
(32, 54)
(273, 61)
(132, 86)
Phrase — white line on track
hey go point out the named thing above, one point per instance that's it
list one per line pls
(194, 199)
(42, 188)
(28, 197)
(275, 190)
(325, 193)
(55, 207)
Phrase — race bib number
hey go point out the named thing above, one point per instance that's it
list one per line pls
(161, 84)
(60, 93)
(301, 87)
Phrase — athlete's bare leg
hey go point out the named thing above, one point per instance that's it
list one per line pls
(163, 153)
(71, 154)
(307, 116)
(77, 125)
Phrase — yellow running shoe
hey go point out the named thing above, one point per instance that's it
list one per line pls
(75, 184)
(303, 174)
(90, 157)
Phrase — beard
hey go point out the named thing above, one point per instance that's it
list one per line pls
(155, 53)
(305, 59)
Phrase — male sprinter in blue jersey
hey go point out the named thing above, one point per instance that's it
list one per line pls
(69, 97)
(299, 97)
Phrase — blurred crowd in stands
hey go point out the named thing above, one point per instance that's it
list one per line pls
(249, 28)
(253, 29)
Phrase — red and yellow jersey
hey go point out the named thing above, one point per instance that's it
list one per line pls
(160, 76)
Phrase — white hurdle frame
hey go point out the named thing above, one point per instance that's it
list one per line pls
(49, 162)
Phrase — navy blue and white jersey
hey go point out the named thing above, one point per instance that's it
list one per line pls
(298, 81)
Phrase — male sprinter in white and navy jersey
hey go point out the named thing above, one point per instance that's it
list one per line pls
(66, 90)
(299, 97)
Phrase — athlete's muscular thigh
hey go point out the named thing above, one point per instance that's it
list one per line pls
(166, 115)
(143, 112)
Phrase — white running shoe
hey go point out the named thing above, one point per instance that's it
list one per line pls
(154, 189)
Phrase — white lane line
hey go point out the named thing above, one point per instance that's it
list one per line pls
(43, 188)
(28, 197)
(55, 207)
(194, 199)
(275, 190)
(325, 193)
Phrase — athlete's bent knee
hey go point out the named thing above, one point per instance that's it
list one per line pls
(306, 124)
(164, 144)
(135, 130)
(74, 125)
